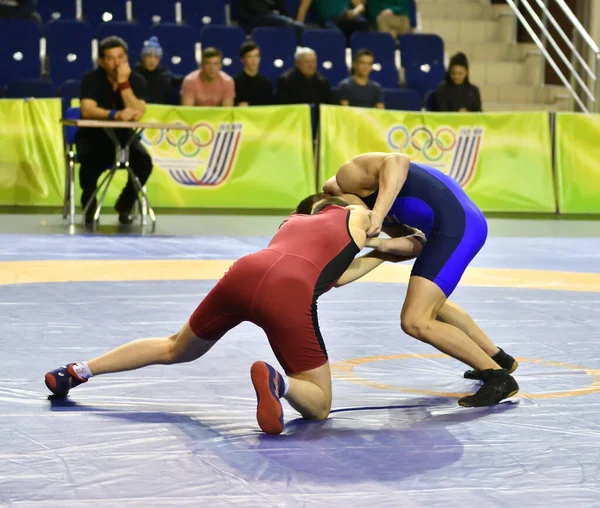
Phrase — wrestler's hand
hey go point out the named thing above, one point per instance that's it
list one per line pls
(126, 115)
(373, 243)
(376, 224)
(123, 72)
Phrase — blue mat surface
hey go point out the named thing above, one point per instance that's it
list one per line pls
(186, 435)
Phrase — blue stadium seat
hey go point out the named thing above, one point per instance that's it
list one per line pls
(228, 39)
(420, 48)
(51, 10)
(402, 99)
(69, 90)
(277, 48)
(201, 14)
(19, 50)
(423, 61)
(412, 13)
(330, 46)
(157, 11)
(383, 47)
(179, 47)
(69, 47)
(104, 11)
(132, 33)
(25, 88)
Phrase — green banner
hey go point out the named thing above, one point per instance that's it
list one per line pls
(258, 157)
(577, 166)
(31, 152)
(502, 160)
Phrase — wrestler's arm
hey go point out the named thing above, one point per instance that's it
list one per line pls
(354, 200)
(392, 175)
(406, 247)
(331, 187)
(398, 229)
(362, 265)
(394, 250)
(386, 172)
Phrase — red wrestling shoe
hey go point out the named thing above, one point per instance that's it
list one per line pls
(269, 386)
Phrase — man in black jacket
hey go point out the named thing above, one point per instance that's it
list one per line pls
(251, 87)
(255, 13)
(111, 92)
(303, 84)
(158, 78)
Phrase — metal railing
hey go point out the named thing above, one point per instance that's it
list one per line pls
(583, 82)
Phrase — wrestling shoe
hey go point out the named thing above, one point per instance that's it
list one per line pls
(268, 384)
(60, 381)
(504, 360)
(497, 385)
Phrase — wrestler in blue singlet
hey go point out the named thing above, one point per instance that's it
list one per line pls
(455, 228)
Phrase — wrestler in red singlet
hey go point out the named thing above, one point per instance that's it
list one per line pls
(277, 288)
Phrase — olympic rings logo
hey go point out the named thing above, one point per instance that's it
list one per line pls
(167, 143)
(422, 140)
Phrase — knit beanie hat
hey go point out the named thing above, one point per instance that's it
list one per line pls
(152, 47)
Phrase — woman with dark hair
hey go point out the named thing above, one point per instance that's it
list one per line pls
(456, 93)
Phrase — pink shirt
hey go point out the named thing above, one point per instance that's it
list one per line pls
(208, 94)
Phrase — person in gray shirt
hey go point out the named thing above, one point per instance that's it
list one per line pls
(358, 89)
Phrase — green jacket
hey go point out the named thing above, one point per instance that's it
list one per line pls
(327, 9)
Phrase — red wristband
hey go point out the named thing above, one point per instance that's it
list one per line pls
(124, 86)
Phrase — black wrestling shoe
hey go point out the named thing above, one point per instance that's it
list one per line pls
(125, 218)
(504, 360)
(497, 386)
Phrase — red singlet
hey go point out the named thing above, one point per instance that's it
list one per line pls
(277, 288)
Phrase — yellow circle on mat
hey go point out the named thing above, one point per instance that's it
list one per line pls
(345, 370)
(29, 272)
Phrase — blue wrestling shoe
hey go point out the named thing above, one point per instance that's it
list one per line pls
(268, 385)
(60, 381)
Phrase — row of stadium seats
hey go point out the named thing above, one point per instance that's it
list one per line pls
(194, 12)
(68, 48)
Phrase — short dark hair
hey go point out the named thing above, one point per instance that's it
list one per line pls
(329, 200)
(247, 47)
(111, 42)
(363, 52)
(211, 53)
(305, 206)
